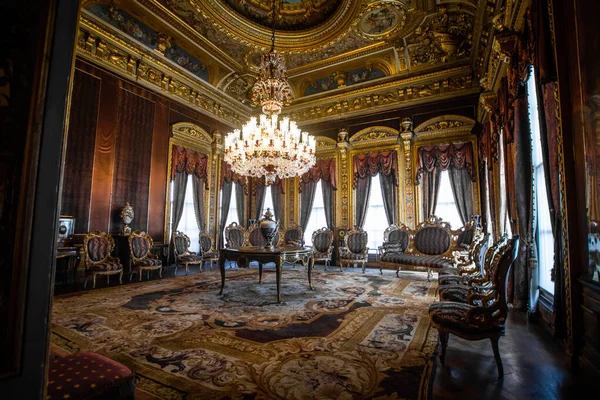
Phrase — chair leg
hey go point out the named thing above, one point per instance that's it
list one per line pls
(444, 342)
(85, 282)
(107, 280)
(429, 274)
(397, 271)
(187, 268)
(494, 341)
(121, 278)
(140, 274)
(94, 282)
(160, 272)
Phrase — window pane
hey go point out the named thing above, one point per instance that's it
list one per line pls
(268, 203)
(544, 237)
(188, 224)
(375, 220)
(446, 207)
(317, 216)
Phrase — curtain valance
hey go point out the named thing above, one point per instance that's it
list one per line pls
(384, 162)
(227, 175)
(441, 157)
(323, 169)
(190, 162)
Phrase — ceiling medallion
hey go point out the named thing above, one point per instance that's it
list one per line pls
(268, 147)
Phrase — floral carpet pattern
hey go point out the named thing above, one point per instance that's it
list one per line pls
(355, 336)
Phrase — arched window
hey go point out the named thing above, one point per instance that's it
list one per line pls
(446, 206)
(376, 220)
(317, 218)
(187, 223)
(232, 215)
(544, 237)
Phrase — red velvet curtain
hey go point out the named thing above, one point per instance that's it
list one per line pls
(440, 157)
(227, 175)
(323, 169)
(191, 162)
(371, 164)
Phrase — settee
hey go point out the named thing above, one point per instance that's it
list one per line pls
(430, 246)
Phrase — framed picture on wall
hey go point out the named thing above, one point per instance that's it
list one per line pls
(66, 227)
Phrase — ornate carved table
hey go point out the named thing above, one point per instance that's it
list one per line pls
(278, 256)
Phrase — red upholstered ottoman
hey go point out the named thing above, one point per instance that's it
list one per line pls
(89, 375)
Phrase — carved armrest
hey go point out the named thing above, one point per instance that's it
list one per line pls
(484, 317)
(344, 251)
(482, 299)
(114, 260)
(152, 256)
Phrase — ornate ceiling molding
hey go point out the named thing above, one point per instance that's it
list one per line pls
(380, 135)
(150, 69)
(446, 124)
(385, 96)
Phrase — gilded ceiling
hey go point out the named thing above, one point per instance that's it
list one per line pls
(333, 48)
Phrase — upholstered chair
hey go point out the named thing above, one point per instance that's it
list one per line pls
(293, 235)
(484, 314)
(208, 249)
(140, 246)
(395, 240)
(183, 256)
(98, 261)
(322, 246)
(466, 262)
(456, 288)
(354, 249)
(235, 235)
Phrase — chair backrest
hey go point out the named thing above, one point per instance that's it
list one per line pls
(293, 235)
(322, 240)
(234, 236)
(466, 234)
(432, 240)
(98, 246)
(181, 243)
(494, 310)
(140, 244)
(206, 242)
(356, 240)
(480, 251)
(397, 237)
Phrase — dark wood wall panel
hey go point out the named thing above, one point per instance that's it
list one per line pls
(104, 153)
(158, 175)
(77, 182)
(133, 153)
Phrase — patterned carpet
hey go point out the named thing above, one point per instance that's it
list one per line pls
(356, 336)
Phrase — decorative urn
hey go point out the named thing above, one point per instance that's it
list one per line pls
(126, 216)
(268, 228)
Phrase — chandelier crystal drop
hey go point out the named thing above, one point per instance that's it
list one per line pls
(269, 147)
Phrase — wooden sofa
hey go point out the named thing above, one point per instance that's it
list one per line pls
(430, 246)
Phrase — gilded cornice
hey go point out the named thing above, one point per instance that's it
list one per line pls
(326, 147)
(192, 136)
(486, 106)
(514, 14)
(502, 48)
(445, 126)
(374, 136)
(174, 22)
(149, 68)
(385, 96)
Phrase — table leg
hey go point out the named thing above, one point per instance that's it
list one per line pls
(278, 268)
(260, 272)
(222, 270)
(311, 264)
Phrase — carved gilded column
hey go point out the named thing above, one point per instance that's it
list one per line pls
(215, 189)
(343, 198)
(409, 194)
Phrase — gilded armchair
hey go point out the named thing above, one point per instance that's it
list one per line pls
(209, 253)
(97, 247)
(322, 246)
(354, 249)
(183, 256)
(484, 314)
(140, 246)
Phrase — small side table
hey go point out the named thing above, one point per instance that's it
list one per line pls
(66, 263)
(162, 251)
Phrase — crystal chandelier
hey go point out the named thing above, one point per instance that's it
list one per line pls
(269, 147)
